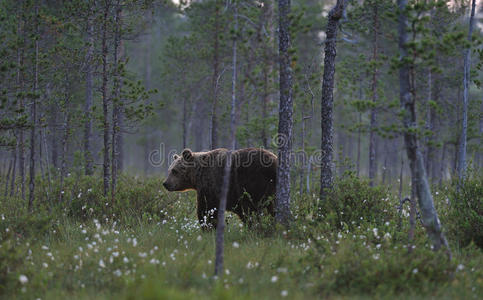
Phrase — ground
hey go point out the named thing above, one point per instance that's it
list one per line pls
(167, 256)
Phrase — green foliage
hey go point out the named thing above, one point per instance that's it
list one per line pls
(353, 202)
(71, 253)
(463, 215)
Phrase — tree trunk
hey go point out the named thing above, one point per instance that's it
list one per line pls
(33, 112)
(214, 106)
(63, 160)
(117, 103)
(373, 124)
(327, 102)
(466, 82)
(147, 83)
(88, 158)
(105, 100)
(285, 123)
(7, 177)
(21, 104)
(14, 174)
(220, 226)
(267, 18)
(430, 218)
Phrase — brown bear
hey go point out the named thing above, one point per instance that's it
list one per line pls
(252, 181)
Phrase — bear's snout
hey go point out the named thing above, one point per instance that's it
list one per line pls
(166, 185)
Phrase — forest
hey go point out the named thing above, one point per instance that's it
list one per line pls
(373, 108)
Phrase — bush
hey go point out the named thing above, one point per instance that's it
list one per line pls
(353, 202)
(463, 217)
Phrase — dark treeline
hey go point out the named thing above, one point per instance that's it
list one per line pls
(111, 86)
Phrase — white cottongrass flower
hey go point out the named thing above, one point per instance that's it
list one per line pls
(376, 256)
(415, 271)
(274, 279)
(125, 260)
(460, 267)
(45, 265)
(101, 263)
(284, 293)
(117, 273)
(236, 245)
(44, 247)
(23, 279)
(142, 254)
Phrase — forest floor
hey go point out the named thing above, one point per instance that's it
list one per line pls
(150, 247)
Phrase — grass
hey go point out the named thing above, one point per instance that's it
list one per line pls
(141, 253)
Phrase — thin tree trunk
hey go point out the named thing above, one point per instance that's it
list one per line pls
(466, 82)
(214, 107)
(117, 103)
(220, 226)
(105, 100)
(443, 165)
(285, 123)
(33, 113)
(14, 174)
(327, 102)
(373, 122)
(88, 158)
(7, 178)
(267, 18)
(430, 218)
(21, 104)
(63, 158)
(147, 82)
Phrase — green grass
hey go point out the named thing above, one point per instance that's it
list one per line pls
(141, 253)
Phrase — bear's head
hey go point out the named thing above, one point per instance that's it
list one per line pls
(180, 173)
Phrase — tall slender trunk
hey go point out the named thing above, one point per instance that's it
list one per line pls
(147, 83)
(327, 102)
(88, 158)
(359, 132)
(21, 102)
(443, 165)
(14, 168)
(117, 102)
(466, 82)
(429, 215)
(285, 122)
(220, 226)
(33, 112)
(373, 122)
(7, 177)
(63, 157)
(184, 121)
(216, 62)
(267, 18)
(105, 100)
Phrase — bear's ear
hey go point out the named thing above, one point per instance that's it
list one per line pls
(187, 155)
(175, 156)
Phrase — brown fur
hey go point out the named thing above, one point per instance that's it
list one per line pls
(252, 181)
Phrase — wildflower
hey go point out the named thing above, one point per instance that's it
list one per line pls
(227, 272)
(23, 279)
(101, 263)
(460, 267)
(44, 247)
(45, 265)
(284, 293)
(125, 260)
(415, 271)
(142, 254)
(117, 273)
(236, 245)
(376, 256)
(199, 238)
(274, 279)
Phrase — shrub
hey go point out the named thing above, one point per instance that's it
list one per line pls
(463, 215)
(352, 201)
